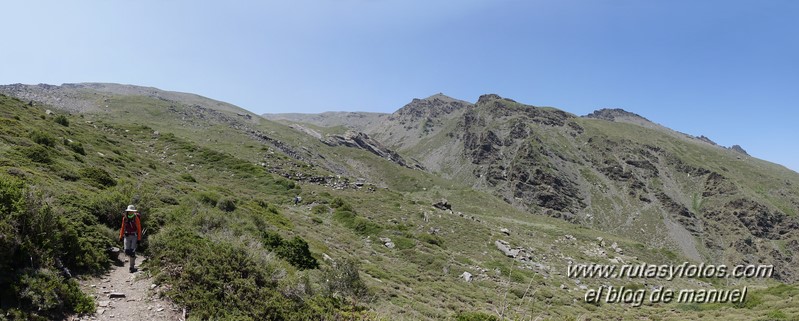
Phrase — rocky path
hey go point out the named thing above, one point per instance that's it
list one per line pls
(124, 296)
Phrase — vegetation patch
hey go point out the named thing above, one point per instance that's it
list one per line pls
(294, 251)
(98, 176)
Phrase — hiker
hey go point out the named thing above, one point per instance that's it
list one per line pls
(297, 200)
(131, 232)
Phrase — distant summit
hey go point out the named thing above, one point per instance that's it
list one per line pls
(490, 97)
(739, 149)
(614, 114)
(430, 107)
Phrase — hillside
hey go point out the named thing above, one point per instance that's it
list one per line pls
(528, 191)
(612, 170)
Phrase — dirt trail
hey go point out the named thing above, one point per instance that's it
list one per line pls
(140, 301)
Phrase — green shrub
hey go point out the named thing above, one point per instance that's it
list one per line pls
(98, 176)
(340, 204)
(227, 204)
(42, 138)
(320, 209)
(38, 154)
(166, 199)
(222, 281)
(68, 175)
(45, 290)
(358, 224)
(344, 279)
(403, 243)
(76, 147)
(36, 244)
(475, 316)
(294, 251)
(108, 205)
(364, 226)
(346, 218)
(208, 198)
(61, 120)
(186, 177)
(431, 239)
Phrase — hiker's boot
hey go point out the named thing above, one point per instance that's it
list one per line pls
(133, 263)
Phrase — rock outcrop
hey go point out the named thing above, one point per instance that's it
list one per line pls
(612, 114)
(738, 149)
(363, 141)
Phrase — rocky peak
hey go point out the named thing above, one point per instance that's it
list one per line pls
(739, 149)
(431, 107)
(707, 140)
(612, 114)
(484, 99)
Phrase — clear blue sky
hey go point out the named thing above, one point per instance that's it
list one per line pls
(725, 69)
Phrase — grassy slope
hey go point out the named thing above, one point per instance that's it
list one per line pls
(418, 274)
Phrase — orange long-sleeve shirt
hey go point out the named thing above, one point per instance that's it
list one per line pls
(138, 227)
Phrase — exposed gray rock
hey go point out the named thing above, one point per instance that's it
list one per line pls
(466, 276)
(363, 141)
(616, 248)
(387, 242)
(503, 246)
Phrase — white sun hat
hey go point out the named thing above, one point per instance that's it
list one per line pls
(131, 208)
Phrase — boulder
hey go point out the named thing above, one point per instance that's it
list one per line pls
(466, 276)
(503, 246)
(443, 204)
(387, 242)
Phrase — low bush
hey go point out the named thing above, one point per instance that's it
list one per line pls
(358, 224)
(294, 251)
(223, 281)
(39, 248)
(431, 239)
(208, 198)
(186, 177)
(227, 204)
(77, 147)
(61, 120)
(98, 176)
(403, 243)
(344, 279)
(38, 154)
(320, 209)
(42, 138)
(475, 316)
(340, 204)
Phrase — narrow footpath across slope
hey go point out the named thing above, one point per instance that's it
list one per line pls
(124, 296)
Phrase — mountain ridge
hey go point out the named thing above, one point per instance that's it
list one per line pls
(507, 196)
